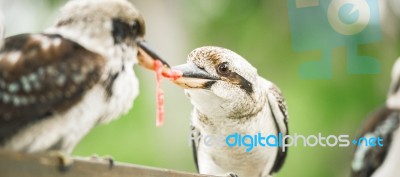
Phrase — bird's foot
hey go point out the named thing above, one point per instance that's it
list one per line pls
(109, 159)
(230, 175)
(65, 160)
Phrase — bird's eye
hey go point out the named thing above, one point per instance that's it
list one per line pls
(135, 26)
(223, 68)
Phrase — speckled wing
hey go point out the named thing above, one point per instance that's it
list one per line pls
(367, 159)
(41, 75)
(279, 112)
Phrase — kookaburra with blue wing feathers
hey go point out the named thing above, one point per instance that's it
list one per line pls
(381, 161)
(229, 96)
(57, 85)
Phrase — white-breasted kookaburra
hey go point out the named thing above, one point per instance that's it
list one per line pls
(230, 97)
(57, 85)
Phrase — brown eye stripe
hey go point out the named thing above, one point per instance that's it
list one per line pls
(396, 87)
(244, 84)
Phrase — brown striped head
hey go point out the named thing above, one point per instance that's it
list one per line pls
(215, 75)
(102, 25)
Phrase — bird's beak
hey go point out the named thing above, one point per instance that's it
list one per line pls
(147, 56)
(193, 77)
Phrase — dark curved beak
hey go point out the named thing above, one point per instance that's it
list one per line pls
(147, 56)
(194, 77)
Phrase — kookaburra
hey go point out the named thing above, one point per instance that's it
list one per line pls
(228, 97)
(381, 161)
(57, 85)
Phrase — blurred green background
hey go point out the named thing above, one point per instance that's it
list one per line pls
(258, 30)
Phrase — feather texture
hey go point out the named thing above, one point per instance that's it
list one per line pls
(40, 75)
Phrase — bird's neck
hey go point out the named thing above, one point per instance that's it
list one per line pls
(221, 112)
(224, 125)
(215, 107)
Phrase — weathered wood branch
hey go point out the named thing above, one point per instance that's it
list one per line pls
(13, 164)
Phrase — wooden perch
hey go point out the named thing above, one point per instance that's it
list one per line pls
(14, 164)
